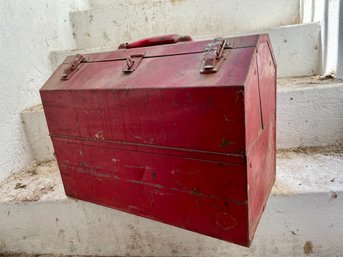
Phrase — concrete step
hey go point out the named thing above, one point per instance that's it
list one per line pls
(124, 21)
(37, 133)
(57, 57)
(309, 113)
(303, 216)
(296, 48)
(266, 3)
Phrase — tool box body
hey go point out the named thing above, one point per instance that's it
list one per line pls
(165, 141)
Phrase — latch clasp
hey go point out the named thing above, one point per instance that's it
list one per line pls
(73, 67)
(132, 62)
(213, 57)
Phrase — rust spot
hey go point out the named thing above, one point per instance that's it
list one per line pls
(19, 185)
(106, 37)
(196, 191)
(90, 18)
(333, 196)
(308, 248)
(174, 1)
(225, 142)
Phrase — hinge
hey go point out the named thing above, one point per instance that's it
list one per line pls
(73, 67)
(132, 62)
(213, 57)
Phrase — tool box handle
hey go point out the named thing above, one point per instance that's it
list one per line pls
(153, 41)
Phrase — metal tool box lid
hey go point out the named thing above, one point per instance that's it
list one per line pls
(172, 65)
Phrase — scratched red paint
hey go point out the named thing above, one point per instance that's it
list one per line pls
(166, 142)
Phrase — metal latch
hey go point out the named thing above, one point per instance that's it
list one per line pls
(132, 62)
(73, 67)
(213, 57)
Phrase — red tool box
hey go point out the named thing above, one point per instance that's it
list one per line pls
(174, 130)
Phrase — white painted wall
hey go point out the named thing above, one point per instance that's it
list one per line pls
(29, 30)
(340, 43)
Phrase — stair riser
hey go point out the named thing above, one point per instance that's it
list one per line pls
(37, 134)
(310, 116)
(296, 49)
(76, 227)
(127, 21)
